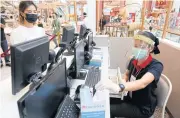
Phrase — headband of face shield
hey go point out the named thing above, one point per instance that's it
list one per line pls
(149, 38)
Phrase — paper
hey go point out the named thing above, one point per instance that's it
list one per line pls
(97, 107)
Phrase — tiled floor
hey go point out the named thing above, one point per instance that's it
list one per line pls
(5, 72)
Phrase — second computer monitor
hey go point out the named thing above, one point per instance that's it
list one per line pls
(43, 100)
(68, 34)
(79, 57)
(83, 31)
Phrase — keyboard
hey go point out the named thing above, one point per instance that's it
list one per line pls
(93, 77)
(68, 109)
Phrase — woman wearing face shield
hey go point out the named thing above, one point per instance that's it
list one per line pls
(141, 78)
(27, 19)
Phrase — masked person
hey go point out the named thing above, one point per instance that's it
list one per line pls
(4, 43)
(56, 28)
(27, 30)
(141, 78)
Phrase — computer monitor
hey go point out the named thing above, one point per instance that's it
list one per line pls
(79, 57)
(89, 43)
(68, 35)
(68, 40)
(42, 101)
(83, 31)
(28, 59)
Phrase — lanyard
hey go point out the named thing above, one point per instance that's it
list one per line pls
(137, 73)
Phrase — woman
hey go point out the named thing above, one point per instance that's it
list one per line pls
(40, 22)
(27, 29)
(56, 28)
(102, 23)
(141, 80)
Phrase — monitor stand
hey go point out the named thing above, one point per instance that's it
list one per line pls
(82, 75)
(68, 53)
(34, 79)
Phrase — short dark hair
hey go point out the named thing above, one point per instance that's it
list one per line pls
(85, 14)
(24, 5)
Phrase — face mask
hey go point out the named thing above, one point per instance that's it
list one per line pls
(139, 53)
(31, 18)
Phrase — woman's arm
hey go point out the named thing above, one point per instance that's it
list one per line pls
(139, 84)
(126, 75)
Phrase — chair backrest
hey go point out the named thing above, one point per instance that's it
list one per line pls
(163, 91)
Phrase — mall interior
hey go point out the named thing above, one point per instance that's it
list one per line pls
(90, 59)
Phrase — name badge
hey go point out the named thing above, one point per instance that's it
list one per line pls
(132, 78)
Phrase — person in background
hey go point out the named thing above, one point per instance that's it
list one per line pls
(85, 20)
(140, 80)
(26, 29)
(119, 18)
(40, 22)
(61, 19)
(4, 43)
(50, 20)
(56, 28)
(102, 23)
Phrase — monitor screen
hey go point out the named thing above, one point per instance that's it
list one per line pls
(79, 57)
(68, 34)
(43, 100)
(83, 31)
(28, 58)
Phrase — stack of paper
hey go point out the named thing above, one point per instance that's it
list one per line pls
(118, 80)
(97, 58)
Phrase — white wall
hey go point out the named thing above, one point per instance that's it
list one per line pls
(176, 5)
(91, 13)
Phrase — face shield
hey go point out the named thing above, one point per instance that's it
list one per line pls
(141, 47)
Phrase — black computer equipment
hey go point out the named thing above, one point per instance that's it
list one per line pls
(74, 71)
(42, 101)
(68, 34)
(68, 40)
(59, 53)
(79, 57)
(89, 43)
(68, 109)
(88, 48)
(77, 94)
(28, 60)
(83, 31)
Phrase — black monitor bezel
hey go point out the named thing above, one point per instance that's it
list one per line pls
(21, 101)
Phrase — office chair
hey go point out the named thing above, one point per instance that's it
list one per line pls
(163, 91)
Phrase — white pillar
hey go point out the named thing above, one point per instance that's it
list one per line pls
(91, 13)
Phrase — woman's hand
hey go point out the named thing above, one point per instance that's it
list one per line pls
(108, 84)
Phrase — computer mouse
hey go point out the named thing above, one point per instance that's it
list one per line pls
(77, 95)
(78, 89)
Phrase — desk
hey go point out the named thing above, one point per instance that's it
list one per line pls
(104, 74)
(8, 102)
